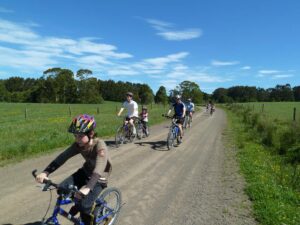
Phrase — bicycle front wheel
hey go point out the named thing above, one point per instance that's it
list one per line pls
(139, 131)
(120, 136)
(170, 140)
(108, 205)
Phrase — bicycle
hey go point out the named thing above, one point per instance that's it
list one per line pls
(141, 129)
(124, 134)
(104, 213)
(173, 132)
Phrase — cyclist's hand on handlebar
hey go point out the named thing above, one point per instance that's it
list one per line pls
(41, 177)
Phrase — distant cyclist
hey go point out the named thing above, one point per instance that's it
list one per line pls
(132, 110)
(179, 109)
(212, 107)
(144, 119)
(190, 108)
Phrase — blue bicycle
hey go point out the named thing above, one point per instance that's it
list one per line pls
(174, 133)
(106, 212)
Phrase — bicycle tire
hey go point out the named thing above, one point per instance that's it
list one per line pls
(170, 140)
(100, 210)
(139, 131)
(119, 137)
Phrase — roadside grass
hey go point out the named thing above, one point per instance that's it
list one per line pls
(268, 176)
(45, 128)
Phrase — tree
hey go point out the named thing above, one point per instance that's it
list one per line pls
(63, 86)
(145, 94)
(220, 95)
(296, 91)
(161, 96)
(3, 92)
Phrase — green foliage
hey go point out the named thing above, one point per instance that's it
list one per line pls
(276, 199)
(280, 137)
(188, 89)
(161, 96)
(253, 94)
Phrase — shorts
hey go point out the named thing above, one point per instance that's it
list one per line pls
(180, 120)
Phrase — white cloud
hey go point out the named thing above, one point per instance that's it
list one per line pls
(265, 72)
(167, 31)
(162, 62)
(246, 68)
(281, 76)
(181, 35)
(159, 25)
(224, 63)
(5, 10)
(26, 48)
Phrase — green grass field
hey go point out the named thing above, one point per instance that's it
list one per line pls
(277, 110)
(45, 127)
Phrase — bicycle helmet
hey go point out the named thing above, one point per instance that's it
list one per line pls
(82, 124)
(144, 107)
(129, 94)
(189, 99)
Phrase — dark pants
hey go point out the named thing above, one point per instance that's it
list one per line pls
(85, 205)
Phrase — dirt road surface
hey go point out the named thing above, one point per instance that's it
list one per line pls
(195, 183)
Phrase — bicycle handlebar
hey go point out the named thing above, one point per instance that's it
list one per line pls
(47, 183)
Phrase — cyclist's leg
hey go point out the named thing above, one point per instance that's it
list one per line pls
(78, 178)
(180, 122)
(87, 204)
(131, 121)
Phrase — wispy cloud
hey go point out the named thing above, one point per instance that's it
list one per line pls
(27, 49)
(246, 68)
(281, 76)
(168, 32)
(224, 63)
(275, 74)
(5, 10)
(265, 72)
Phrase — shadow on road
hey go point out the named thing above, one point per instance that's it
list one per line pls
(110, 143)
(156, 145)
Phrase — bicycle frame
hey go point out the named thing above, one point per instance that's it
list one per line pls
(175, 128)
(60, 211)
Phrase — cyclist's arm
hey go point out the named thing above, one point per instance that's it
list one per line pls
(170, 110)
(121, 110)
(101, 163)
(61, 159)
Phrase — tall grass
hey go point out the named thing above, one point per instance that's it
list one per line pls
(45, 127)
(270, 157)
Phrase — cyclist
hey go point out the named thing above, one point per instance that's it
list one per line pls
(132, 110)
(92, 177)
(144, 118)
(179, 109)
(190, 108)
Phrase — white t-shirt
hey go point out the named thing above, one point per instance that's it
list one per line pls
(132, 108)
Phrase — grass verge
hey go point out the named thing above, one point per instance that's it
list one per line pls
(274, 201)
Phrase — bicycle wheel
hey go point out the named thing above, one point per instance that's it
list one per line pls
(190, 122)
(120, 136)
(139, 131)
(170, 139)
(108, 205)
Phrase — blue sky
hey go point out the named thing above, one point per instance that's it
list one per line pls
(214, 43)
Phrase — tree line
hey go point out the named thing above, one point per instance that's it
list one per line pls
(58, 85)
(253, 94)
